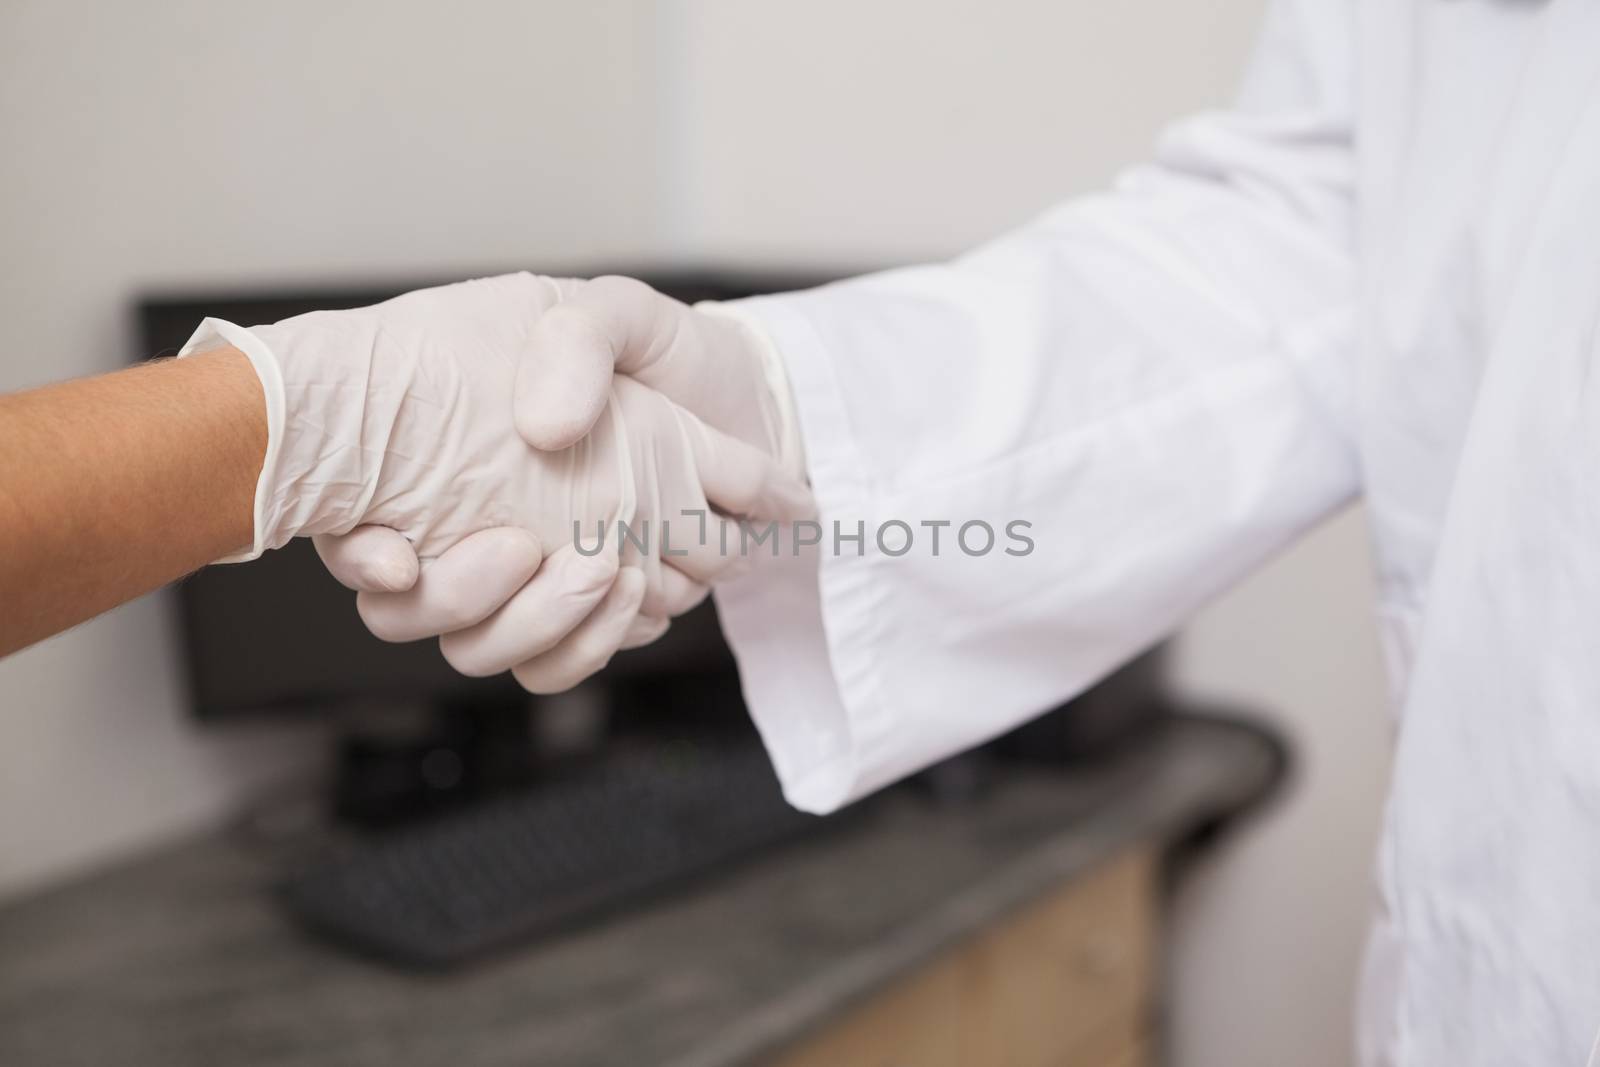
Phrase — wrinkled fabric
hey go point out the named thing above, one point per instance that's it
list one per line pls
(400, 415)
(1377, 274)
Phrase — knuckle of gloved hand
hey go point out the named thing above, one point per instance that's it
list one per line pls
(562, 285)
(538, 677)
(357, 575)
(556, 407)
(369, 559)
(691, 598)
(644, 631)
(574, 327)
(753, 486)
(587, 576)
(391, 573)
(524, 675)
(497, 550)
(377, 614)
(456, 610)
(619, 288)
(744, 498)
(525, 282)
(654, 598)
(590, 654)
(560, 670)
(467, 656)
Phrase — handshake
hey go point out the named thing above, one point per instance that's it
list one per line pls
(538, 471)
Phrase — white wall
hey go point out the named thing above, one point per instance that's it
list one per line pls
(173, 143)
(899, 129)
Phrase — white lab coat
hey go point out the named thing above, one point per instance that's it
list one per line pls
(1379, 274)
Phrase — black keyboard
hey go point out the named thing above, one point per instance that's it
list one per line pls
(498, 874)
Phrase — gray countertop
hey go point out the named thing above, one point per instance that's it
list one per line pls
(182, 958)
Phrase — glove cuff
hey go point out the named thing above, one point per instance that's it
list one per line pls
(787, 444)
(217, 333)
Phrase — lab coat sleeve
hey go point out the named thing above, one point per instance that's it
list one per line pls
(1143, 395)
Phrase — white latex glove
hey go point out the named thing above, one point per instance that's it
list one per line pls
(398, 416)
(705, 359)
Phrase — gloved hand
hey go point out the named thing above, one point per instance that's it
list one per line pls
(705, 359)
(397, 417)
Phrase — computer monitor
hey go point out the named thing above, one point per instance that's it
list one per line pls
(279, 635)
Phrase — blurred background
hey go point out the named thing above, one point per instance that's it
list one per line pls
(179, 145)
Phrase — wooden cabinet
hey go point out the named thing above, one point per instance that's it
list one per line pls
(1064, 982)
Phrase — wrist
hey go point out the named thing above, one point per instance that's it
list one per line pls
(231, 388)
(216, 337)
(791, 451)
(775, 395)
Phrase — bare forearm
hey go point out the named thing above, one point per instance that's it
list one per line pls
(112, 486)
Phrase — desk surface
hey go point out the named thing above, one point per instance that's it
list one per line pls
(181, 958)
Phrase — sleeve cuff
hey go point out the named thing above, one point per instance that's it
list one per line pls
(803, 626)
